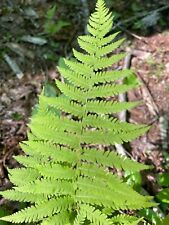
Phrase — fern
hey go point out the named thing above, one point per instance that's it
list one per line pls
(65, 178)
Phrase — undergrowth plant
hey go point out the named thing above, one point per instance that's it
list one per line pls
(67, 175)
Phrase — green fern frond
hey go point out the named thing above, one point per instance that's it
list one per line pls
(89, 191)
(94, 41)
(97, 63)
(72, 92)
(75, 78)
(62, 218)
(126, 220)
(48, 187)
(109, 138)
(109, 48)
(112, 159)
(109, 76)
(48, 150)
(29, 175)
(64, 104)
(40, 211)
(22, 197)
(65, 177)
(94, 215)
(103, 63)
(29, 162)
(79, 68)
(108, 90)
(112, 124)
(105, 107)
(91, 48)
(56, 123)
(56, 171)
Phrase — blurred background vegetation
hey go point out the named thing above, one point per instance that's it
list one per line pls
(42, 31)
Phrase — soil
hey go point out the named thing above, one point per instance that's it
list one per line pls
(152, 65)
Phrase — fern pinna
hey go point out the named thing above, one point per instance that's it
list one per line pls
(66, 174)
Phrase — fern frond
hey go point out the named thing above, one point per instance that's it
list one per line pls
(22, 197)
(109, 48)
(65, 105)
(28, 161)
(56, 123)
(92, 48)
(57, 154)
(65, 178)
(109, 76)
(90, 190)
(48, 187)
(100, 23)
(103, 63)
(126, 220)
(94, 41)
(56, 171)
(79, 68)
(112, 159)
(54, 136)
(80, 217)
(72, 92)
(61, 218)
(100, 63)
(29, 175)
(84, 58)
(108, 137)
(108, 90)
(75, 78)
(94, 215)
(100, 91)
(112, 124)
(106, 107)
(40, 211)
(112, 182)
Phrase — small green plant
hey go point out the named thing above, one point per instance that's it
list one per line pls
(166, 220)
(66, 176)
(3, 213)
(52, 27)
(163, 195)
(157, 68)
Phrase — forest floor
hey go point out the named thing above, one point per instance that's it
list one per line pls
(150, 60)
(19, 95)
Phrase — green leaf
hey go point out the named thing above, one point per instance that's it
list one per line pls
(163, 179)
(163, 195)
(51, 12)
(3, 213)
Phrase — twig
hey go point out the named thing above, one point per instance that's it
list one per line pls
(147, 96)
(139, 16)
(123, 98)
(132, 34)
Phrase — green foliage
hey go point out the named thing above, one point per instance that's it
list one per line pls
(151, 215)
(65, 177)
(166, 220)
(3, 213)
(51, 26)
(163, 195)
